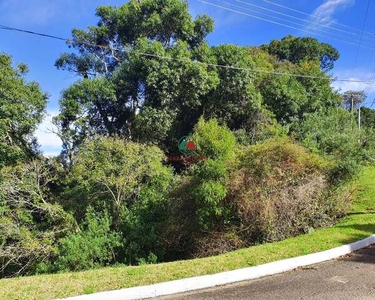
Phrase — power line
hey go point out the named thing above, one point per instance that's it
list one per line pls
(257, 70)
(361, 34)
(3, 27)
(192, 61)
(363, 29)
(368, 89)
(322, 27)
(282, 24)
(316, 17)
(356, 58)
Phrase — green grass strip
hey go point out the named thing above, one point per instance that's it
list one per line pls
(359, 225)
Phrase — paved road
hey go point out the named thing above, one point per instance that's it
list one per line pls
(351, 277)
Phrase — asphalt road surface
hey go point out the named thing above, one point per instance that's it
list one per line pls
(350, 277)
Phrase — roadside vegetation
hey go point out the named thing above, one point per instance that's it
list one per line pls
(276, 155)
(358, 225)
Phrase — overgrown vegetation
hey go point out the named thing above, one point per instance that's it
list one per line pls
(359, 225)
(271, 152)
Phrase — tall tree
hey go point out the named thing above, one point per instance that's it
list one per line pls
(353, 99)
(143, 52)
(297, 50)
(235, 99)
(22, 105)
(291, 97)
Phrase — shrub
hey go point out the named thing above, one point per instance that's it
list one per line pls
(213, 140)
(93, 246)
(278, 189)
(111, 174)
(132, 183)
(142, 224)
(333, 133)
(217, 143)
(209, 196)
(30, 220)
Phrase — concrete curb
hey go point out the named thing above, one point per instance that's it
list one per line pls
(208, 281)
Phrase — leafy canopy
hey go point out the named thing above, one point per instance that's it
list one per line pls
(296, 50)
(22, 105)
(163, 92)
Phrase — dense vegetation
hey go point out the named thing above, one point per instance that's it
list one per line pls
(273, 149)
(358, 225)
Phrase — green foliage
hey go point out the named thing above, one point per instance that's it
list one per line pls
(279, 189)
(166, 22)
(235, 99)
(152, 125)
(297, 50)
(93, 246)
(216, 143)
(262, 126)
(334, 133)
(284, 96)
(129, 181)
(280, 156)
(30, 220)
(289, 98)
(368, 117)
(213, 141)
(136, 83)
(111, 174)
(22, 106)
(142, 225)
(209, 195)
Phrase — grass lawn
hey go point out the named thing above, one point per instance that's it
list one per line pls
(358, 225)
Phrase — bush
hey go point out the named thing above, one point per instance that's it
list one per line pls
(142, 224)
(278, 189)
(266, 192)
(217, 143)
(93, 246)
(131, 182)
(334, 133)
(110, 174)
(30, 220)
(213, 140)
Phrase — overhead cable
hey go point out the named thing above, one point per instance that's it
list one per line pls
(191, 61)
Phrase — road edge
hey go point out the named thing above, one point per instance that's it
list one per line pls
(209, 281)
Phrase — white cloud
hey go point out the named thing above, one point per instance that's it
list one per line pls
(323, 15)
(350, 86)
(50, 143)
(356, 75)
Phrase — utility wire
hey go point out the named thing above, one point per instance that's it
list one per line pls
(316, 17)
(368, 89)
(363, 29)
(31, 32)
(282, 24)
(361, 35)
(321, 27)
(356, 60)
(182, 60)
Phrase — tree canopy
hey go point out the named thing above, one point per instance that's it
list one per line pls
(296, 50)
(149, 75)
(22, 106)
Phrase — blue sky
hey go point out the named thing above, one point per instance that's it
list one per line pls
(232, 25)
